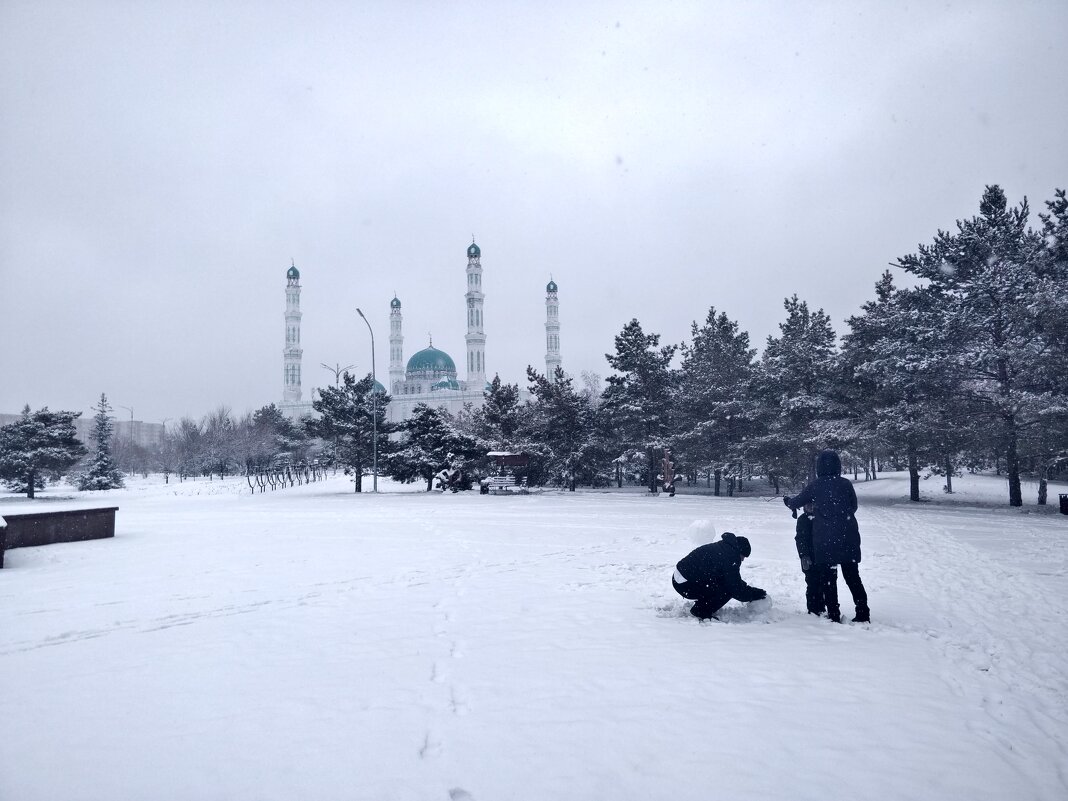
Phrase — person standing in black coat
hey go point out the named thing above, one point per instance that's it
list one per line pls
(711, 576)
(835, 534)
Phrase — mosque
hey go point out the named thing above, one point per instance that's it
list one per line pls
(430, 375)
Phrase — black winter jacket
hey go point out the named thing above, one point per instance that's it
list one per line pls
(835, 534)
(803, 536)
(718, 565)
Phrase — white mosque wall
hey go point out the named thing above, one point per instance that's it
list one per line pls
(453, 401)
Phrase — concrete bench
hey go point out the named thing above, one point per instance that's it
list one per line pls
(47, 528)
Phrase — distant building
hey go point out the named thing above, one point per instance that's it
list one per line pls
(552, 329)
(292, 405)
(430, 375)
(147, 435)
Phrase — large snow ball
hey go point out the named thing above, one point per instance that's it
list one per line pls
(701, 532)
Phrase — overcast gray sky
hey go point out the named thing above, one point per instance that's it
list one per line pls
(161, 163)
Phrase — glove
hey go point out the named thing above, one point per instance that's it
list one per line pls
(806, 563)
(786, 500)
(760, 594)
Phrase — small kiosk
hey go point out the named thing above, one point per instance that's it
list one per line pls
(504, 477)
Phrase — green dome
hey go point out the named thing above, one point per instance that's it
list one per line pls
(293, 274)
(394, 304)
(431, 363)
(473, 250)
(379, 389)
(551, 286)
(445, 383)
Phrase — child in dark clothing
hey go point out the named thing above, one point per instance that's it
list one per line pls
(814, 579)
(711, 576)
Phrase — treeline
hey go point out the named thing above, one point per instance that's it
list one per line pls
(43, 446)
(221, 445)
(964, 366)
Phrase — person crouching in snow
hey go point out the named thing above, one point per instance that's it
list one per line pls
(814, 578)
(711, 576)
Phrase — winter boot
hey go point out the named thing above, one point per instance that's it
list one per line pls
(863, 614)
(702, 612)
(834, 613)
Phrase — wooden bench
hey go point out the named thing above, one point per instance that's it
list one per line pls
(47, 528)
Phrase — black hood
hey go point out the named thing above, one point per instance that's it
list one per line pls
(828, 464)
(740, 544)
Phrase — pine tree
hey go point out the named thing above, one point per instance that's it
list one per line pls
(430, 442)
(561, 430)
(985, 277)
(639, 400)
(499, 419)
(41, 445)
(1046, 444)
(903, 391)
(347, 417)
(267, 436)
(714, 412)
(793, 387)
(101, 474)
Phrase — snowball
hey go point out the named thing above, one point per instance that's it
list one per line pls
(702, 531)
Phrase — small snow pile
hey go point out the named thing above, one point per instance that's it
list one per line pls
(702, 532)
(761, 611)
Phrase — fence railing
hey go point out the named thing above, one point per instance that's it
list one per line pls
(284, 476)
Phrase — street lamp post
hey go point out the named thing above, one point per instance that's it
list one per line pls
(374, 404)
(163, 451)
(130, 410)
(337, 370)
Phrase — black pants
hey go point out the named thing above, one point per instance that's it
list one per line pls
(710, 598)
(827, 576)
(814, 581)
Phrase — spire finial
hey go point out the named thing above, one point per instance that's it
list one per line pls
(431, 337)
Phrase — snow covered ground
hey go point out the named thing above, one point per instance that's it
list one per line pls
(312, 643)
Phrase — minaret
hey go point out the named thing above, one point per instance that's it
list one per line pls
(476, 336)
(552, 330)
(292, 353)
(396, 346)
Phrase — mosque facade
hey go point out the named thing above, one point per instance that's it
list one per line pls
(429, 376)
